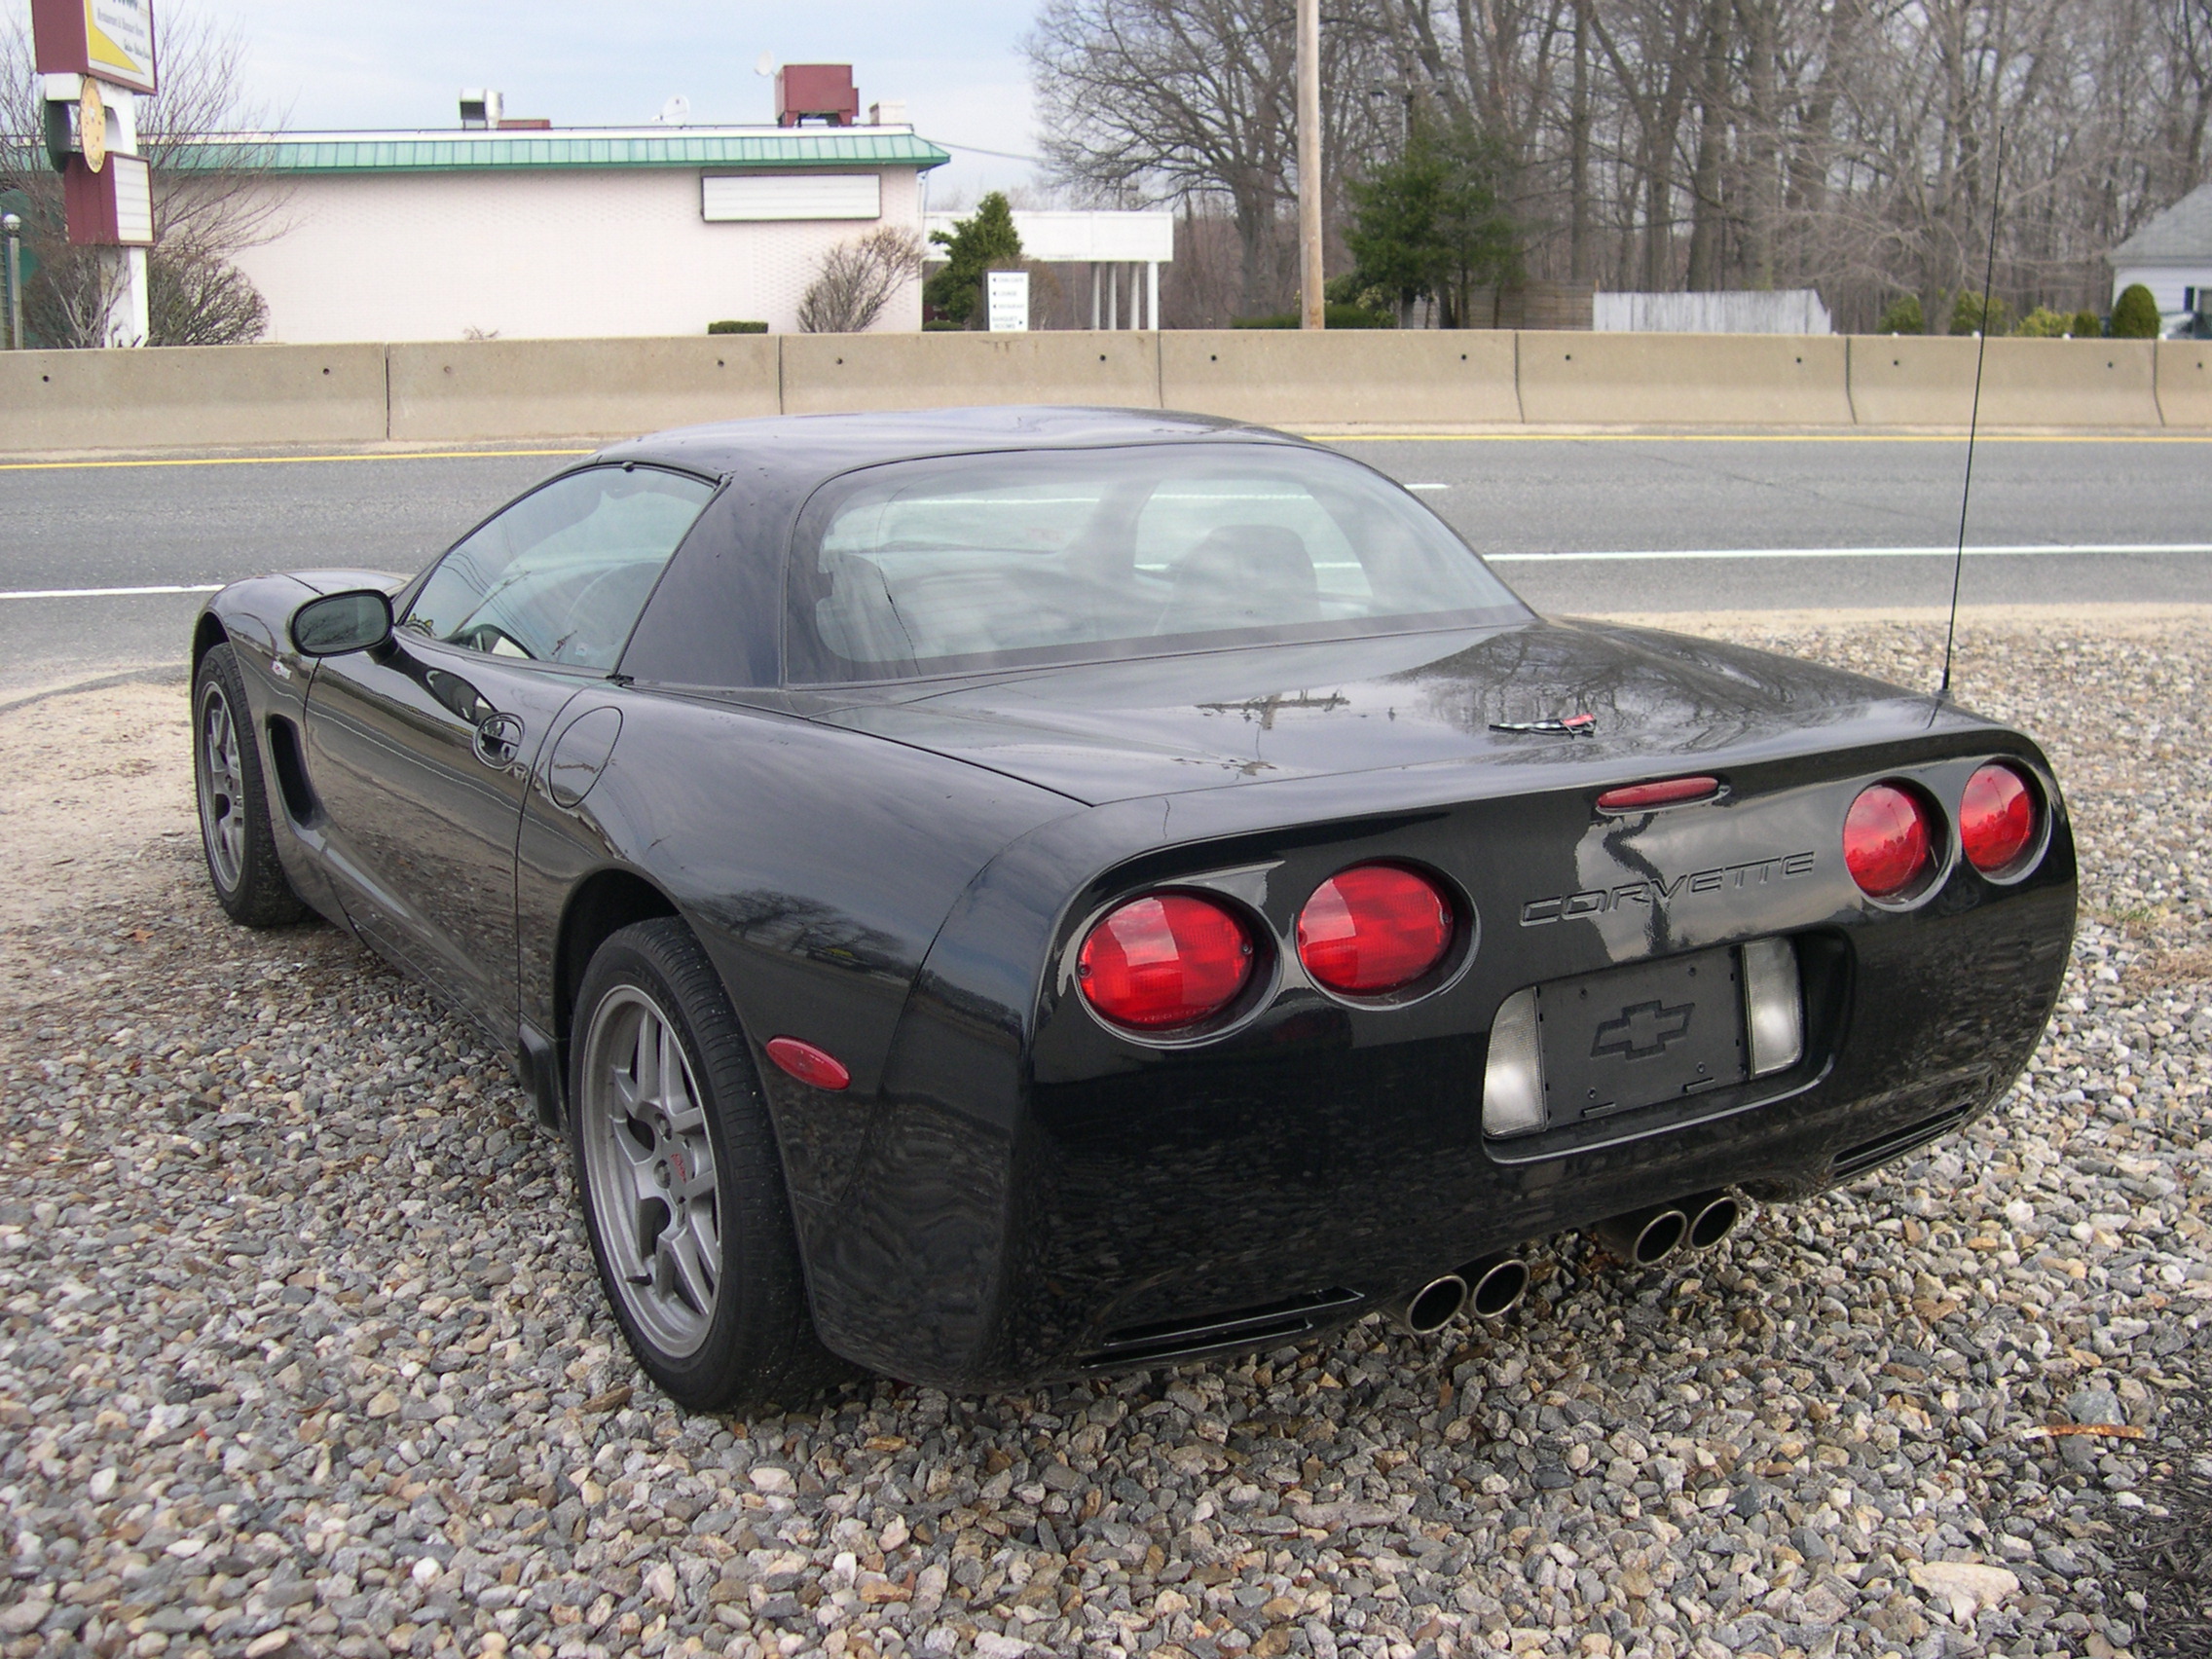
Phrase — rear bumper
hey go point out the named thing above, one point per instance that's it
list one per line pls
(1043, 1208)
(1320, 1171)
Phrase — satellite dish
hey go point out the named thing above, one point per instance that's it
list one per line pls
(677, 111)
(764, 64)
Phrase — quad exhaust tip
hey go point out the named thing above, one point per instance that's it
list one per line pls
(1496, 1285)
(1712, 1217)
(1428, 1309)
(1488, 1289)
(1646, 1237)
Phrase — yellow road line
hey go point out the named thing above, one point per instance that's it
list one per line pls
(286, 460)
(1316, 437)
(1754, 438)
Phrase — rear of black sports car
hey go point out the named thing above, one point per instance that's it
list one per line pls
(1176, 898)
(1218, 1067)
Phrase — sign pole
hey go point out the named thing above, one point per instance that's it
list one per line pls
(131, 323)
(1310, 293)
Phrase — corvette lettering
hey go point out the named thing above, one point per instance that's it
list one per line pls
(1724, 878)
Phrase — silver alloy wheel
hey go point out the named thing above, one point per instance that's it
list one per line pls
(649, 1170)
(222, 789)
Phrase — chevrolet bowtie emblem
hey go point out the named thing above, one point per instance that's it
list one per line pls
(1641, 1031)
(1573, 725)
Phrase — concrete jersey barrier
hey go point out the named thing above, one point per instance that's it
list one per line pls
(1283, 377)
(826, 374)
(2070, 383)
(489, 391)
(2184, 381)
(1909, 381)
(543, 388)
(1748, 379)
(1902, 380)
(192, 394)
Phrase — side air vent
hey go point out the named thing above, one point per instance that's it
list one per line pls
(291, 771)
(1867, 1155)
(1249, 1327)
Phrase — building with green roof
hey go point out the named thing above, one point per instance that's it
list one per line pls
(571, 233)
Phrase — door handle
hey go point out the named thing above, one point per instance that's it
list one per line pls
(498, 739)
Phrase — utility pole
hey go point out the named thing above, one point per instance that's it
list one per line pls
(1309, 164)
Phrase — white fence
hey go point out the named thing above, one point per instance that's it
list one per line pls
(1785, 311)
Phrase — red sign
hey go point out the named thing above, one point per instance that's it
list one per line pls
(109, 39)
(113, 207)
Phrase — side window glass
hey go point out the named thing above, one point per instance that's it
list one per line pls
(560, 576)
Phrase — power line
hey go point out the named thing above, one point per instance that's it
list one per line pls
(978, 149)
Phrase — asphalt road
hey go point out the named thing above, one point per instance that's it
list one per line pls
(1579, 523)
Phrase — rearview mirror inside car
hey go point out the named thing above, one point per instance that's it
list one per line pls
(340, 623)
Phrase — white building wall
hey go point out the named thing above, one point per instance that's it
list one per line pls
(2168, 283)
(551, 254)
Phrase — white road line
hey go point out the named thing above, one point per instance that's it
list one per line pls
(1428, 486)
(2019, 550)
(2150, 549)
(108, 593)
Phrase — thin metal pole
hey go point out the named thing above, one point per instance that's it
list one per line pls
(15, 284)
(1151, 295)
(1309, 164)
(1095, 296)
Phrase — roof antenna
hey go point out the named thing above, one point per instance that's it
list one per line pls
(1973, 418)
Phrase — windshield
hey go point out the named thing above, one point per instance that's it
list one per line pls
(978, 561)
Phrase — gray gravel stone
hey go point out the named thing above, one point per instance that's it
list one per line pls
(300, 1351)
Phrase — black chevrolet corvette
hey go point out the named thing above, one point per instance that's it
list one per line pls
(1002, 894)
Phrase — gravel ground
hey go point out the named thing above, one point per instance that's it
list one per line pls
(301, 1350)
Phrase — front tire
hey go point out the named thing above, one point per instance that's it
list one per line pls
(682, 1183)
(236, 831)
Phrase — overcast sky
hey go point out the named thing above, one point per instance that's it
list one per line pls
(341, 64)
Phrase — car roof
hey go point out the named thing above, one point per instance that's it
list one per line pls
(799, 447)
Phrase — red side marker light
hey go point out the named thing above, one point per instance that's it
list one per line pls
(1997, 818)
(1166, 960)
(1888, 841)
(1372, 929)
(1669, 792)
(809, 1064)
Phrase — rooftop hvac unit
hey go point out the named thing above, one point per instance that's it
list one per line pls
(480, 108)
(817, 91)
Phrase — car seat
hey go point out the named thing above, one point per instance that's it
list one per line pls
(1243, 576)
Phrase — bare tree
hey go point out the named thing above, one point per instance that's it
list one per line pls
(212, 196)
(1848, 145)
(857, 280)
(1193, 101)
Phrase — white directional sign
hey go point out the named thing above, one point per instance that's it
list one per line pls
(1008, 293)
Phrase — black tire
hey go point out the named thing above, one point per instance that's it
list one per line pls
(754, 1342)
(237, 834)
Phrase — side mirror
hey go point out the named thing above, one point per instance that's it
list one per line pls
(358, 620)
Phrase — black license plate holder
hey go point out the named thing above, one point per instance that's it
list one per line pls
(1642, 1035)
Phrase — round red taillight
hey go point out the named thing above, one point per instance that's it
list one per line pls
(1166, 960)
(1888, 841)
(1372, 929)
(1997, 818)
